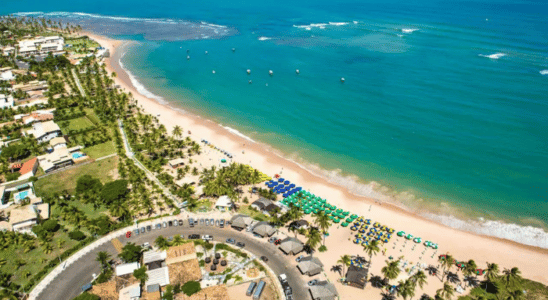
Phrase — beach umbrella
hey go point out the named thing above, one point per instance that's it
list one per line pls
(409, 236)
(434, 246)
(316, 210)
(479, 272)
(357, 241)
(354, 216)
(353, 228)
(346, 213)
(285, 195)
(401, 233)
(344, 224)
(336, 220)
(385, 240)
(307, 211)
(368, 221)
(281, 180)
(417, 240)
(286, 182)
(365, 243)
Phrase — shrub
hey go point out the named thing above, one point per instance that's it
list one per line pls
(50, 225)
(87, 296)
(12, 176)
(87, 183)
(77, 235)
(322, 248)
(190, 288)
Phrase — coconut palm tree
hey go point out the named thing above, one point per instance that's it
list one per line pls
(48, 248)
(323, 222)
(314, 238)
(161, 242)
(492, 272)
(103, 258)
(391, 270)
(515, 295)
(511, 277)
(372, 249)
(141, 274)
(419, 278)
(470, 268)
(178, 240)
(447, 263)
(177, 131)
(406, 289)
(446, 292)
(344, 261)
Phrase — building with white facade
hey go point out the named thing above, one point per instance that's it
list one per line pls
(41, 45)
(44, 131)
(6, 101)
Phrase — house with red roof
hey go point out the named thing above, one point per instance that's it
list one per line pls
(28, 169)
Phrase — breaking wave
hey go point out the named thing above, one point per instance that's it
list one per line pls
(264, 38)
(151, 28)
(236, 132)
(408, 30)
(493, 56)
(321, 25)
(543, 72)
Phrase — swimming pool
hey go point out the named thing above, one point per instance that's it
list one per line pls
(77, 155)
(21, 195)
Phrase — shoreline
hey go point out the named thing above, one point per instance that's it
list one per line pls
(531, 260)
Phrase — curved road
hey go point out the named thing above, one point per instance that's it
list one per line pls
(67, 284)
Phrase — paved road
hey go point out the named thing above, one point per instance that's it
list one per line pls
(67, 285)
(78, 84)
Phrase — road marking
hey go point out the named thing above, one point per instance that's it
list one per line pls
(117, 245)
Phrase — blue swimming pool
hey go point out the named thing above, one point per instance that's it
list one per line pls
(21, 195)
(77, 155)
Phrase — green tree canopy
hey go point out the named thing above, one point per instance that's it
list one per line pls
(114, 191)
(50, 225)
(191, 288)
(131, 253)
(87, 296)
(87, 183)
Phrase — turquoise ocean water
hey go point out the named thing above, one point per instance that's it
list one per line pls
(444, 105)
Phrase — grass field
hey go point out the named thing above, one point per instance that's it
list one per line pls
(76, 124)
(100, 150)
(246, 210)
(66, 180)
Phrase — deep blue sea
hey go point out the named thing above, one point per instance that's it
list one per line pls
(444, 104)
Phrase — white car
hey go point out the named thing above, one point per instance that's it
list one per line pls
(207, 237)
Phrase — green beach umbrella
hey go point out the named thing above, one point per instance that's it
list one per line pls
(346, 213)
(332, 217)
(344, 224)
(354, 216)
(401, 233)
(349, 220)
(336, 220)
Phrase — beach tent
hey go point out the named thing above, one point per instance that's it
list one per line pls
(401, 233)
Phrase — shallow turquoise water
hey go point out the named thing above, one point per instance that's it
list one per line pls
(432, 111)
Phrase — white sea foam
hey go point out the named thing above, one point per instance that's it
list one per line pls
(138, 85)
(321, 25)
(264, 38)
(493, 56)
(527, 235)
(408, 30)
(355, 22)
(543, 72)
(236, 132)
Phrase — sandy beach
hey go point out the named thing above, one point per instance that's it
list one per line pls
(532, 261)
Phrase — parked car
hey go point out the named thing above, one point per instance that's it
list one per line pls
(128, 234)
(170, 223)
(175, 223)
(149, 228)
(240, 244)
(207, 237)
(145, 245)
(277, 242)
(299, 258)
(193, 236)
(206, 222)
(158, 226)
(272, 239)
(222, 223)
(212, 221)
(191, 222)
(136, 231)
(217, 223)
(313, 282)
(264, 258)
(230, 241)
(165, 224)
(143, 229)
(180, 222)
(202, 221)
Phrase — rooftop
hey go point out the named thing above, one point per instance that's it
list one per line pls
(223, 201)
(180, 253)
(182, 272)
(128, 268)
(28, 166)
(152, 256)
(158, 276)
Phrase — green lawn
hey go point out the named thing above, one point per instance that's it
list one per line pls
(92, 116)
(66, 180)
(100, 150)
(76, 124)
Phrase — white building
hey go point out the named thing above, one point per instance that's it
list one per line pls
(7, 51)
(41, 45)
(6, 75)
(6, 101)
(224, 203)
(125, 269)
(44, 131)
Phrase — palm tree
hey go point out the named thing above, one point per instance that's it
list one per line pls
(141, 274)
(419, 278)
(344, 261)
(323, 222)
(470, 268)
(178, 240)
(391, 270)
(447, 263)
(177, 131)
(446, 292)
(48, 248)
(511, 277)
(492, 272)
(406, 289)
(515, 295)
(161, 242)
(372, 249)
(103, 258)
(314, 238)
